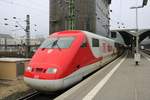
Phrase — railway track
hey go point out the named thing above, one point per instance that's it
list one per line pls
(40, 96)
(147, 51)
(28, 96)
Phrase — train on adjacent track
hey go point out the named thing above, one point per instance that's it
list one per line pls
(65, 57)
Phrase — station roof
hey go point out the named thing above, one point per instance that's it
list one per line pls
(128, 36)
(144, 35)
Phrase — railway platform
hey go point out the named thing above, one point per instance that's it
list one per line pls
(120, 80)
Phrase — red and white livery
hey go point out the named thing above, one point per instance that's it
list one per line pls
(66, 57)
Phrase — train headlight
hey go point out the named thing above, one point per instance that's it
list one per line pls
(51, 70)
(29, 69)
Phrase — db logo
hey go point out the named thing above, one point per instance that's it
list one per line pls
(36, 76)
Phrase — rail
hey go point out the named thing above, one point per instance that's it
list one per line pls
(28, 96)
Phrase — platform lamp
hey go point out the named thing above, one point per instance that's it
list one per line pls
(144, 3)
(137, 55)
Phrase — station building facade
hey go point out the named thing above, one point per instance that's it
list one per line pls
(89, 15)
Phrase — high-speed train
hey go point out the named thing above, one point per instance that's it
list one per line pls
(65, 57)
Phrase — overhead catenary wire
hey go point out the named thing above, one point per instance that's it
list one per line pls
(14, 25)
(24, 6)
(14, 2)
(37, 6)
(32, 12)
(35, 11)
(40, 4)
(117, 18)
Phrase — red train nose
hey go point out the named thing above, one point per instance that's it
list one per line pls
(42, 70)
(44, 85)
(41, 73)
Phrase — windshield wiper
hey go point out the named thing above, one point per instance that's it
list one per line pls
(56, 43)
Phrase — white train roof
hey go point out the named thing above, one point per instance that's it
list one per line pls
(97, 36)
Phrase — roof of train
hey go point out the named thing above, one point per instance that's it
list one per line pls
(97, 36)
(89, 34)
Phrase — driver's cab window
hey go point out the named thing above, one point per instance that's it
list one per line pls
(84, 44)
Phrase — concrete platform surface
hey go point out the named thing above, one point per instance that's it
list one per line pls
(120, 80)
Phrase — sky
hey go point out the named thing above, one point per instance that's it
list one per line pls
(39, 17)
(122, 13)
(121, 16)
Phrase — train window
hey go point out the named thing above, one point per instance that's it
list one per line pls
(113, 34)
(95, 42)
(57, 42)
(84, 44)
